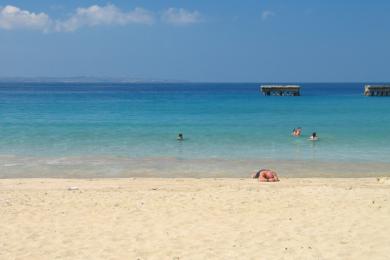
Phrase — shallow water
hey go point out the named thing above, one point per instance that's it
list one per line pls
(130, 130)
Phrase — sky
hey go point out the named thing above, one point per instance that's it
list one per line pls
(197, 40)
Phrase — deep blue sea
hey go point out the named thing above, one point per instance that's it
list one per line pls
(59, 126)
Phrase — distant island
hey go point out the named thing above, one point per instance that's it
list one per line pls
(86, 79)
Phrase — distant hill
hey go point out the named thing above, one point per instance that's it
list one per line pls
(84, 79)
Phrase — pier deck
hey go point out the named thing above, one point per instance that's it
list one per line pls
(280, 90)
(377, 90)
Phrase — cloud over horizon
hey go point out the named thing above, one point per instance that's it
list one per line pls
(103, 15)
(180, 16)
(267, 14)
(12, 18)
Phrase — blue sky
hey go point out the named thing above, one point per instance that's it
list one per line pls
(198, 40)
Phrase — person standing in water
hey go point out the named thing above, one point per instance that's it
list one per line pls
(180, 137)
(313, 137)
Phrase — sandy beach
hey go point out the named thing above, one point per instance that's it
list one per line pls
(140, 218)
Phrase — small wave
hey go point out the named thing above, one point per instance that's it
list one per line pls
(11, 164)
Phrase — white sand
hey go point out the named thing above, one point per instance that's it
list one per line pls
(195, 219)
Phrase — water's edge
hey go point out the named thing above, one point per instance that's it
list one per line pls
(120, 167)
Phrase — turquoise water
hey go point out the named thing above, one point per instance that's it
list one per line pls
(135, 122)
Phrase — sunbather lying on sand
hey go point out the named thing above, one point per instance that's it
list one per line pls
(266, 175)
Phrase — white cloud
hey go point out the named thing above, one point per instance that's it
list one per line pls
(180, 16)
(12, 17)
(103, 15)
(267, 14)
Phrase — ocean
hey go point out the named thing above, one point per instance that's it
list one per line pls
(230, 129)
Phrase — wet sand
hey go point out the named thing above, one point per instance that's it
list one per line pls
(171, 167)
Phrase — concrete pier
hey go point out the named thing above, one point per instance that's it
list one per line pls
(377, 90)
(280, 90)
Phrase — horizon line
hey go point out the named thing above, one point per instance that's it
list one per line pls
(129, 80)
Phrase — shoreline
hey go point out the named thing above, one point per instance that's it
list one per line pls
(188, 218)
(172, 167)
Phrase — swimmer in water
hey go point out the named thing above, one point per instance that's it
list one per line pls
(294, 132)
(265, 175)
(313, 137)
(180, 137)
(297, 131)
